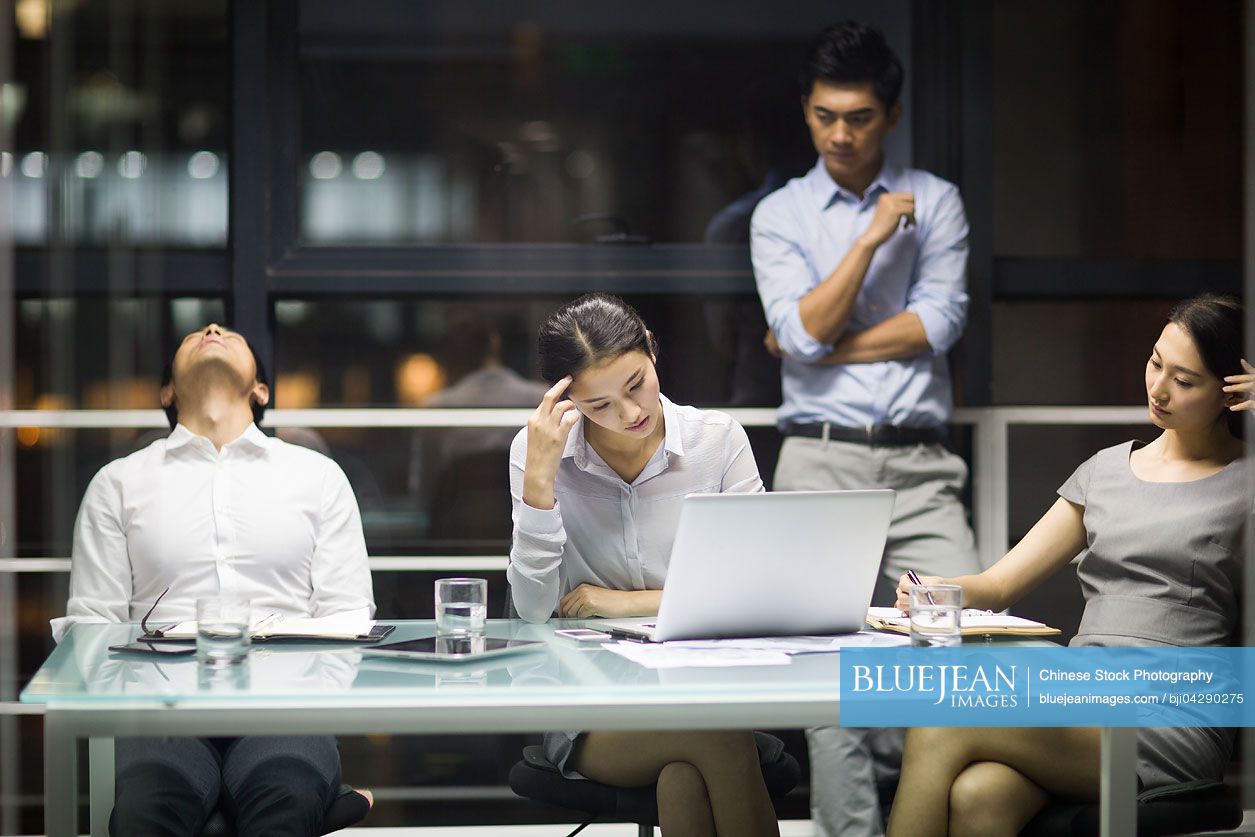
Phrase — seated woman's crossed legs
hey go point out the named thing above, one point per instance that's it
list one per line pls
(989, 781)
(709, 783)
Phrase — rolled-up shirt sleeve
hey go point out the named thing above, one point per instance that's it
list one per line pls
(783, 276)
(939, 294)
(100, 568)
(340, 568)
(536, 547)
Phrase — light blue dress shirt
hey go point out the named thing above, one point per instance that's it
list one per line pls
(798, 236)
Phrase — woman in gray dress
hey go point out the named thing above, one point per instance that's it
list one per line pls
(1160, 529)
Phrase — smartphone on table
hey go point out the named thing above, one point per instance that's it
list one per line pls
(583, 635)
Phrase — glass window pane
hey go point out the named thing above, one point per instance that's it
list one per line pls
(1069, 352)
(482, 352)
(1117, 129)
(53, 467)
(97, 353)
(140, 120)
(446, 122)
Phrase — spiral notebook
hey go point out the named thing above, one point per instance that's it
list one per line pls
(973, 623)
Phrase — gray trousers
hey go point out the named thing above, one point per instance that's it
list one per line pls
(930, 534)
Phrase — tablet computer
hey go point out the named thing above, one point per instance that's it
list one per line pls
(451, 648)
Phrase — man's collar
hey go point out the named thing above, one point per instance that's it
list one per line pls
(822, 187)
(179, 437)
(251, 437)
(889, 179)
(825, 189)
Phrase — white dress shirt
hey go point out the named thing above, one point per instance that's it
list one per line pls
(262, 519)
(610, 533)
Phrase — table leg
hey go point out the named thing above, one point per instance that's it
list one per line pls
(100, 786)
(1117, 815)
(60, 778)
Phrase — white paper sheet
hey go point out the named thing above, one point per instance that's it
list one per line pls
(662, 655)
(797, 644)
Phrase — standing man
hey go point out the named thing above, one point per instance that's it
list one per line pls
(861, 269)
(217, 508)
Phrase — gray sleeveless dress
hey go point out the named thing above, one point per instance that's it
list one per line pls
(1163, 566)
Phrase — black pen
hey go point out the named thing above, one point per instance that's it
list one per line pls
(617, 633)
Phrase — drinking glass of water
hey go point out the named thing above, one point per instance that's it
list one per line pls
(461, 605)
(936, 611)
(222, 636)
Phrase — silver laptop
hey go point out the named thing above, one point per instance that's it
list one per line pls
(777, 564)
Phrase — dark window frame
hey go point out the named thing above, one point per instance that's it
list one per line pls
(952, 136)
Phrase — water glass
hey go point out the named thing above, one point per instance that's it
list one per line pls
(222, 635)
(936, 614)
(461, 605)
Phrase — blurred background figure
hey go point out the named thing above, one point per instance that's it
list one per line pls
(461, 472)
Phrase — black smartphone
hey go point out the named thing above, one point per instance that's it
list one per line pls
(154, 649)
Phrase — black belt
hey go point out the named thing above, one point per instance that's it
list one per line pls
(880, 434)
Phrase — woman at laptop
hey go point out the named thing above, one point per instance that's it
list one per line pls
(1159, 529)
(597, 479)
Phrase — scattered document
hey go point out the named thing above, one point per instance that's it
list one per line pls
(662, 655)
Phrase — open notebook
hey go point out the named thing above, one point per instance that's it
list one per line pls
(353, 626)
(973, 623)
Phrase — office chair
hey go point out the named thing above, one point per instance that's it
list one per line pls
(348, 808)
(536, 778)
(1186, 808)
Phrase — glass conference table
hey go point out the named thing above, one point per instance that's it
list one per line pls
(289, 689)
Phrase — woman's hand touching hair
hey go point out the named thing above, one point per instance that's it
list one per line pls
(1241, 388)
(547, 432)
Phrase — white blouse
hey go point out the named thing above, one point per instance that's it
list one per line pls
(262, 519)
(612, 534)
